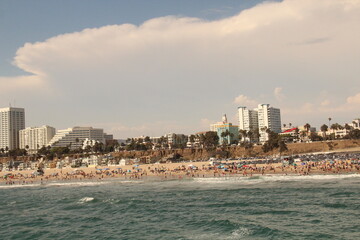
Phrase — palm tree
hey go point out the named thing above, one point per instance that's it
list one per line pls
(250, 135)
(243, 134)
(334, 126)
(290, 124)
(307, 127)
(329, 121)
(324, 129)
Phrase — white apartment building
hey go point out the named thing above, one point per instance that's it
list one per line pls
(248, 119)
(355, 124)
(269, 118)
(74, 137)
(12, 120)
(36, 137)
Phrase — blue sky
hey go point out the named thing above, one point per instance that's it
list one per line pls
(151, 67)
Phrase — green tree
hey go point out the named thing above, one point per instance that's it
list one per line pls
(282, 146)
(307, 127)
(354, 134)
(211, 139)
(243, 134)
(324, 128)
(192, 138)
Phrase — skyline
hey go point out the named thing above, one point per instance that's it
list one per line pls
(148, 74)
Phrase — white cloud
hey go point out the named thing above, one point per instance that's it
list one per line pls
(29, 83)
(279, 96)
(164, 65)
(354, 99)
(245, 101)
(325, 103)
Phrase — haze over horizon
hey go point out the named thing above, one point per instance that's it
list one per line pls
(136, 68)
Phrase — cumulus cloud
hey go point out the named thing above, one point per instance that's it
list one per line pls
(178, 65)
(245, 101)
(325, 103)
(279, 96)
(12, 84)
(353, 99)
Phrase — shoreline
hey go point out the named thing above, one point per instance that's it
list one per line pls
(179, 171)
(198, 180)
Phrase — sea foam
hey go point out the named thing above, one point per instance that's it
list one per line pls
(275, 178)
(86, 199)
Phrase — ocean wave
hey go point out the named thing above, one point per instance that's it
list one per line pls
(275, 178)
(18, 186)
(86, 199)
(239, 233)
(56, 184)
(52, 184)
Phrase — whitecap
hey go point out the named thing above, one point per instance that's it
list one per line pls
(275, 178)
(18, 186)
(240, 233)
(58, 184)
(86, 199)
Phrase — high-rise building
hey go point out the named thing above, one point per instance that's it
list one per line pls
(74, 137)
(12, 120)
(248, 119)
(36, 137)
(269, 118)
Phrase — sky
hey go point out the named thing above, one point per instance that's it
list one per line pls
(141, 67)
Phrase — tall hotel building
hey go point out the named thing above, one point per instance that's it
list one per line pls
(12, 120)
(248, 119)
(74, 137)
(36, 137)
(264, 117)
(269, 118)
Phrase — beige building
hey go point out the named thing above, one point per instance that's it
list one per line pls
(12, 120)
(36, 137)
(268, 118)
(74, 137)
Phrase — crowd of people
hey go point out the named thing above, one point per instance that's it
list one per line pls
(184, 171)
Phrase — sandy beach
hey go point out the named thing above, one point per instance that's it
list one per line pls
(180, 171)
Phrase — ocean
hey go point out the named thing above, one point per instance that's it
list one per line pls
(265, 207)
